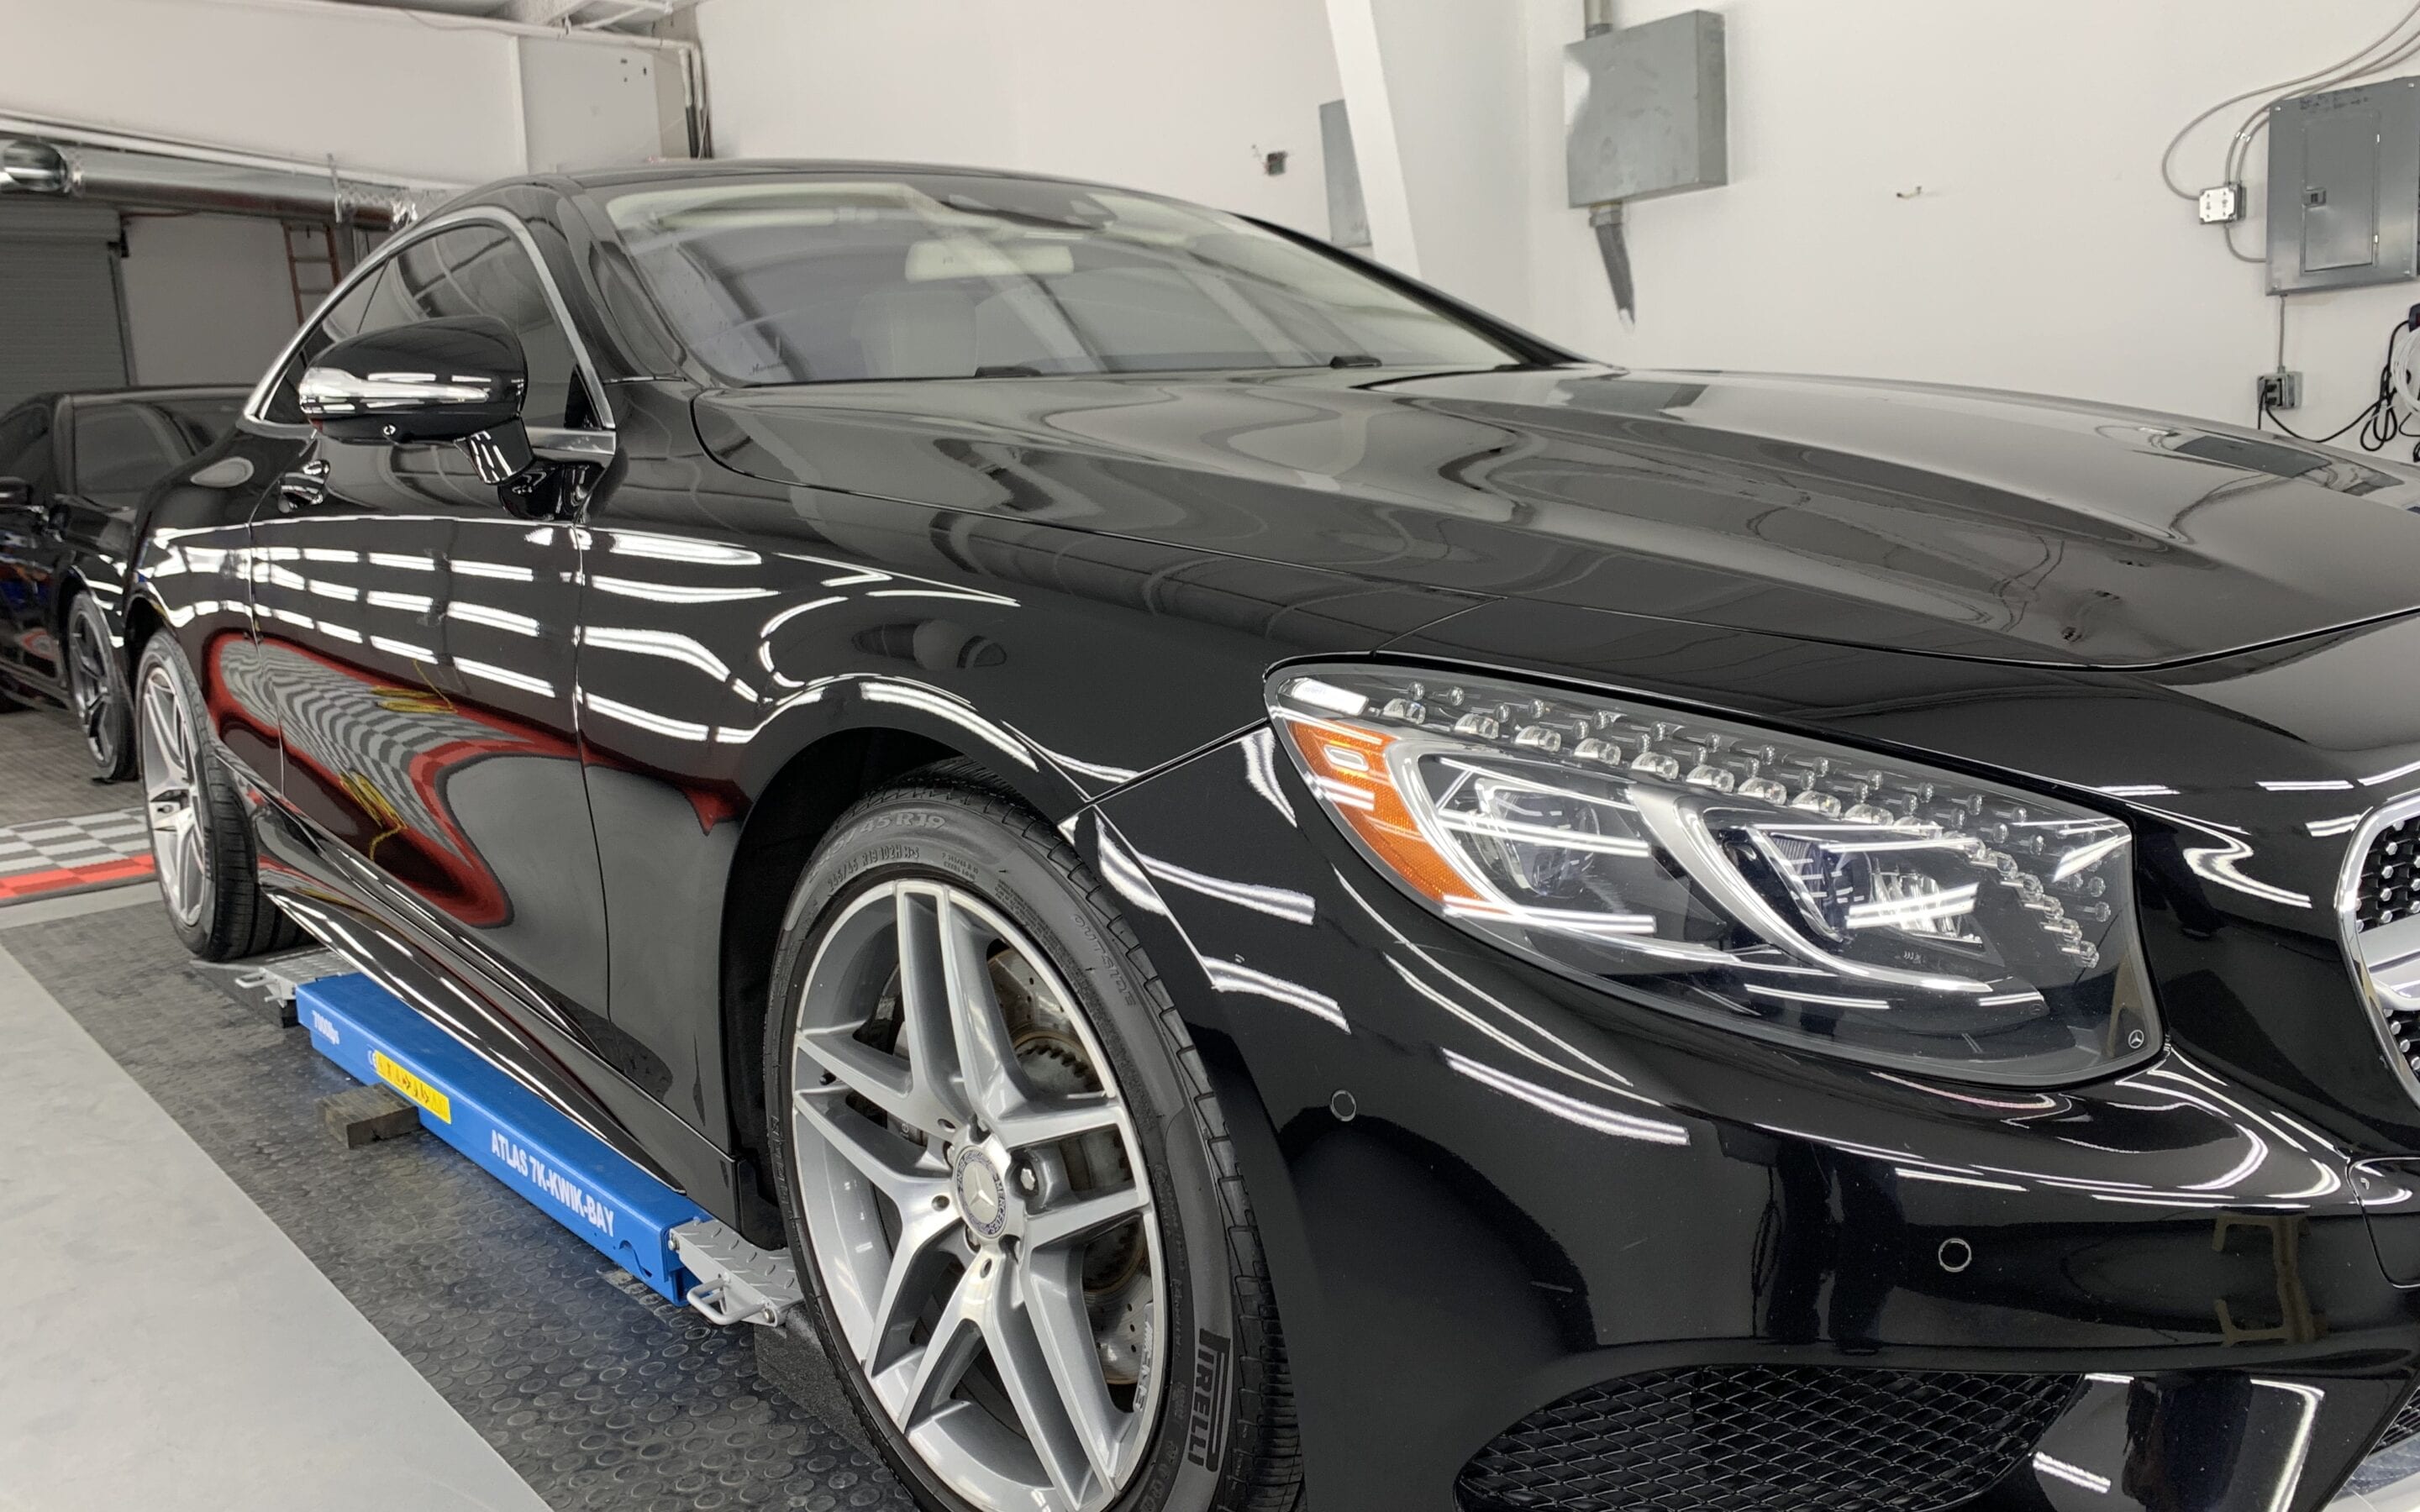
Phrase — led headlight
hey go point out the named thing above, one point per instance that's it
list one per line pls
(1848, 903)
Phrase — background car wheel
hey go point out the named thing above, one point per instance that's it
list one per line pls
(1014, 1204)
(199, 835)
(97, 690)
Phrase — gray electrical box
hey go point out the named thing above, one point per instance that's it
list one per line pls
(1645, 110)
(2344, 187)
(1348, 214)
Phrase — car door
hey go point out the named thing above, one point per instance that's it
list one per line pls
(417, 638)
(28, 552)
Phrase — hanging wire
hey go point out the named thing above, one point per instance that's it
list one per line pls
(2381, 421)
(2336, 72)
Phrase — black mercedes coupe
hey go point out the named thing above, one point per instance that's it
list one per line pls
(73, 471)
(1284, 894)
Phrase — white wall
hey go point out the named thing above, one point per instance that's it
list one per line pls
(1180, 98)
(2042, 252)
(1456, 78)
(379, 90)
(208, 297)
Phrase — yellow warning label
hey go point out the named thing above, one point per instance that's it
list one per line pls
(411, 1087)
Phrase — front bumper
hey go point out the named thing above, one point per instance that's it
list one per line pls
(1485, 1187)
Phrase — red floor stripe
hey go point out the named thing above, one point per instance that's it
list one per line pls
(74, 878)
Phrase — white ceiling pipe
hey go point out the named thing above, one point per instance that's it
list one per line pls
(82, 133)
(158, 180)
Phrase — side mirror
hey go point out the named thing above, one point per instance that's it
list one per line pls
(15, 493)
(457, 380)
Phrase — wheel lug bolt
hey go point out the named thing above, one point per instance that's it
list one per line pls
(1025, 1177)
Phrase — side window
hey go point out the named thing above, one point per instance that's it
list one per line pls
(26, 445)
(122, 449)
(483, 269)
(343, 318)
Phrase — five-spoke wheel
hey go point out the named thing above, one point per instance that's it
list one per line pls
(201, 836)
(970, 1178)
(171, 796)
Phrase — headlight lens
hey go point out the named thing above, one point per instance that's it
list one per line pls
(1852, 904)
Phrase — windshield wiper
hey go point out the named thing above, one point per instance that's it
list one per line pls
(1354, 360)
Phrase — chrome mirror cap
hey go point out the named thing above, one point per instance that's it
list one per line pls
(333, 393)
(428, 380)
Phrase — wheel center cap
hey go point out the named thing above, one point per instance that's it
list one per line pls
(983, 1197)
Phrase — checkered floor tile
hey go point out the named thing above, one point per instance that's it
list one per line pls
(66, 854)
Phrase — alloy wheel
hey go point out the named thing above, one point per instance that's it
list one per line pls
(968, 1177)
(88, 685)
(171, 791)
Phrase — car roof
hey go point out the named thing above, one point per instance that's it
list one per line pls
(690, 172)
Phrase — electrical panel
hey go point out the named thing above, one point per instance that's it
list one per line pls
(2344, 187)
(1348, 214)
(1645, 110)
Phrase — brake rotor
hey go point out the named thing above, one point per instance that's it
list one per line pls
(1117, 1289)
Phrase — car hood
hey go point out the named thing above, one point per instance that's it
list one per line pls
(1951, 521)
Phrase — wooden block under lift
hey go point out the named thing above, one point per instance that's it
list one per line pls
(365, 1115)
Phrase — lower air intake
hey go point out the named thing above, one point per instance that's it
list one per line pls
(1753, 1438)
(2405, 1428)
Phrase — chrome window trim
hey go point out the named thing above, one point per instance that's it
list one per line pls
(2348, 929)
(255, 415)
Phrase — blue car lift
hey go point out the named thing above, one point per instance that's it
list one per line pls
(636, 1221)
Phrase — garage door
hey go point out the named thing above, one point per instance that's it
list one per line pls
(59, 301)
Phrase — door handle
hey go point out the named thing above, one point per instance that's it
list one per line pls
(306, 484)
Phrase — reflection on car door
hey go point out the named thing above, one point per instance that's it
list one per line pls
(416, 638)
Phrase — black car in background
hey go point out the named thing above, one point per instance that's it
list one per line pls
(73, 469)
(1280, 890)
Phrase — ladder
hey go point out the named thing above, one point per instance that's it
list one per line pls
(312, 265)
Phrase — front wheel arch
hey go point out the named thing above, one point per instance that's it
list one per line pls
(792, 812)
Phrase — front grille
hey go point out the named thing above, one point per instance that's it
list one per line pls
(2382, 935)
(2390, 876)
(1752, 1439)
(2394, 1457)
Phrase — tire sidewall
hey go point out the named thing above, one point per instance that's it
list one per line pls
(118, 703)
(960, 837)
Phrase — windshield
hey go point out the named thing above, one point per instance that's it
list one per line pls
(935, 276)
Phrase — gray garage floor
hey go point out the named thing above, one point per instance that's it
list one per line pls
(407, 1324)
(44, 773)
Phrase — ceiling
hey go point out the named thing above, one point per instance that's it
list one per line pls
(585, 15)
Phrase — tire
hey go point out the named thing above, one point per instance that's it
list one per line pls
(1207, 1422)
(97, 692)
(200, 838)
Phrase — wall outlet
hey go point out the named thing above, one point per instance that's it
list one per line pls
(2281, 390)
(2222, 205)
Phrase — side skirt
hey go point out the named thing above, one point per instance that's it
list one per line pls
(350, 909)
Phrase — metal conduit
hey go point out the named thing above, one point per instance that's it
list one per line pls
(184, 177)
